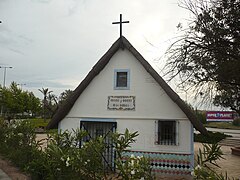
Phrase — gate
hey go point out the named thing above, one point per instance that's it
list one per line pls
(104, 129)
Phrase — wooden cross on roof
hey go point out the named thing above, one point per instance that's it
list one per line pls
(121, 22)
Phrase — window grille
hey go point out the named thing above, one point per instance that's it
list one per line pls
(167, 133)
(104, 129)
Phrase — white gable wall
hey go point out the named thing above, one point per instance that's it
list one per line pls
(152, 103)
(151, 100)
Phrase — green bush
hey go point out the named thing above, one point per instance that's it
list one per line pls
(201, 116)
(236, 122)
(134, 167)
(38, 122)
(206, 163)
(63, 158)
(214, 137)
(18, 142)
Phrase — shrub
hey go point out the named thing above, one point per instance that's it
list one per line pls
(236, 122)
(63, 158)
(214, 137)
(201, 116)
(19, 144)
(206, 161)
(133, 167)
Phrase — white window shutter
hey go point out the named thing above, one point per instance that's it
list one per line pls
(156, 132)
(177, 132)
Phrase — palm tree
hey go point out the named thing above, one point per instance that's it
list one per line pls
(52, 103)
(45, 93)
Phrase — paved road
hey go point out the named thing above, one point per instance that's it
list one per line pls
(4, 176)
(234, 133)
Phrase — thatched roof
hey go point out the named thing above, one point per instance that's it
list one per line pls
(122, 42)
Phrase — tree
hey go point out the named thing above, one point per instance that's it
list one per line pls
(64, 96)
(52, 105)
(15, 101)
(46, 94)
(55, 102)
(207, 55)
(33, 104)
(51, 102)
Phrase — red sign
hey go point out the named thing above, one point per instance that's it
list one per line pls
(219, 116)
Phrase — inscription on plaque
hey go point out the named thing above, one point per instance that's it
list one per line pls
(123, 103)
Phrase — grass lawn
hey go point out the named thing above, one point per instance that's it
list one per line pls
(222, 125)
(38, 122)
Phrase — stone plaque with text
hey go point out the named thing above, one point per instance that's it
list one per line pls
(123, 103)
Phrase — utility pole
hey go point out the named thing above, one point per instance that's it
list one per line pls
(4, 80)
(4, 74)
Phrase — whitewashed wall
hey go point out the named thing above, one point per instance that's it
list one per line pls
(147, 134)
(146, 138)
(152, 103)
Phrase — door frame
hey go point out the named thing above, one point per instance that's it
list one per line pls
(114, 128)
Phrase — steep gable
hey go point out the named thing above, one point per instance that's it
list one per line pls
(100, 65)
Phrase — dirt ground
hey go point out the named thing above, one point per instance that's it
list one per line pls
(13, 172)
(231, 163)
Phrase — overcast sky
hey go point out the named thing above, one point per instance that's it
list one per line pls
(54, 43)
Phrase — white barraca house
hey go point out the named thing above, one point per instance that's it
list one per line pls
(123, 91)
